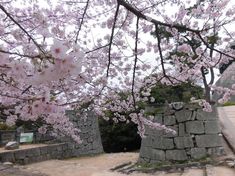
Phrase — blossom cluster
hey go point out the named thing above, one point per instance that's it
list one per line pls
(58, 55)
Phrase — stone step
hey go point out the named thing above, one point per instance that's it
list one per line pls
(193, 172)
(219, 171)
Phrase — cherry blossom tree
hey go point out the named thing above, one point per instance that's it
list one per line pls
(58, 55)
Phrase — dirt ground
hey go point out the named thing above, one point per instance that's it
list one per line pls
(100, 165)
(84, 166)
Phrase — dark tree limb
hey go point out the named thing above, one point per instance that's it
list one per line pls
(111, 38)
(139, 14)
(160, 50)
(140, 123)
(82, 21)
(22, 28)
(214, 49)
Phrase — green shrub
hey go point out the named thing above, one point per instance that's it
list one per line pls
(229, 103)
(182, 92)
(4, 126)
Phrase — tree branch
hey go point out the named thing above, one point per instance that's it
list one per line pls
(214, 49)
(83, 15)
(139, 14)
(160, 50)
(111, 39)
(133, 76)
(12, 19)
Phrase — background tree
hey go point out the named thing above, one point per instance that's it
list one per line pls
(57, 55)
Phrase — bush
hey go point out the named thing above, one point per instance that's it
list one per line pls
(182, 92)
(4, 126)
(229, 103)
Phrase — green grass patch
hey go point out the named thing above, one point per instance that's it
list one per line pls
(229, 103)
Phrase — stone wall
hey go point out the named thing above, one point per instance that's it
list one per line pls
(65, 147)
(36, 154)
(90, 134)
(198, 136)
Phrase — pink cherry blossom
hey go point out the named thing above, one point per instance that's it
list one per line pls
(54, 59)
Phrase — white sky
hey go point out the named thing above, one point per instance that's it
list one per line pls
(147, 57)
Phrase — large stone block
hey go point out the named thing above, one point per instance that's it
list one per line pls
(183, 115)
(195, 127)
(169, 134)
(203, 115)
(19, 155)
(146, 152)
(158, 155)
(169, 120)
(153, 132)
(162, 143)
(176, 155)
(158, 118)
(90, 133)
(198, 153)
(147, 141)
(212, 127)
(7, 157)
(209, 140)
(194, 115)
(143, 160)
(182, 130)
(36, 151)
(29, 152)
(149, 109)
(183, 142)
(216, 151)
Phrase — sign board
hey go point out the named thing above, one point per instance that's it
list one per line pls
(26, 137)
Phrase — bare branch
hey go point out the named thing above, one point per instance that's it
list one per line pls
(136, 58)
(21, 55)
(111, 38)
(31, 38)
(139, 14)
(141, 125)
(97, 49)
(208, 46)
(160, 50)
(83, 16)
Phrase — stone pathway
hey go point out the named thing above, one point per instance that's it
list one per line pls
(230, 113)
(227, 121)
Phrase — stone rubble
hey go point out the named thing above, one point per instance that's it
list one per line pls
(12, 145)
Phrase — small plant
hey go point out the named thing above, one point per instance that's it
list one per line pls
(4, 126)
(229, 103)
